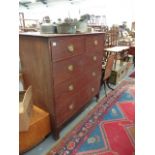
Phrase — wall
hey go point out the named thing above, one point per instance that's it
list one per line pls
(116, 11)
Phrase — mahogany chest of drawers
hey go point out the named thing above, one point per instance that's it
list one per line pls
(64, 71)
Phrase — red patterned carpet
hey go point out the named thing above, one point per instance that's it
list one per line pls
(108, 129)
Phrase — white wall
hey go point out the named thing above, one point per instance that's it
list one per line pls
(116, 11)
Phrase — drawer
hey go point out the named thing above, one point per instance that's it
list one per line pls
(68, 88)
(68, 68)
(65, 47)
(94, 57)
(68, 108)
(93, 71)
(95, 43)
(90, 90)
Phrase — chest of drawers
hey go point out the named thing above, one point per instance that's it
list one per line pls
(64, 71)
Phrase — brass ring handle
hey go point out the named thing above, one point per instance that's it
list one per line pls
(70, 48)
(93, 74)
(92, 89)
(70, 87)
(71, 106)
(95, 42)
(94, 58)
(70, 67)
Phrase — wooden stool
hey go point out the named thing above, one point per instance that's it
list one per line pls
(39, 128)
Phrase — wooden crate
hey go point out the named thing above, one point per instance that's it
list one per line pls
(118, 73)
(39, 128)
(25, 108)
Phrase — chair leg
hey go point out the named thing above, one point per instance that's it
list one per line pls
(107, 82)
(104, 83)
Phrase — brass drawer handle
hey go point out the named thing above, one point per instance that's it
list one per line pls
(92, 89)
(71, 87)
(70, 67)
(70, 48)
(71, 106)
(94, 58)
(95, 42)
(93, 74)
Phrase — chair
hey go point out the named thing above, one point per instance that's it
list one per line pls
(111, 37)
(113, 52)
(106, 72)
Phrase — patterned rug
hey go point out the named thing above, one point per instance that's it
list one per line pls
(107, 130)
(132, 75)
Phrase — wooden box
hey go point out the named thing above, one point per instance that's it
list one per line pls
(130, 58)
(118, 73)
(25, 108)
(39, 128)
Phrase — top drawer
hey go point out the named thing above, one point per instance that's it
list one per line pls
(95, 43)
(64, 47)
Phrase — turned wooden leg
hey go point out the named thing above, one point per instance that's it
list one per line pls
(97, 96)
(56, 134)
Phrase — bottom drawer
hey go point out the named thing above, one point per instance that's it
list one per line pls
(66, 110)
(90, 91)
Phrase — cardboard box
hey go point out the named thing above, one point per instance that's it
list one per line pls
(25, 108)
